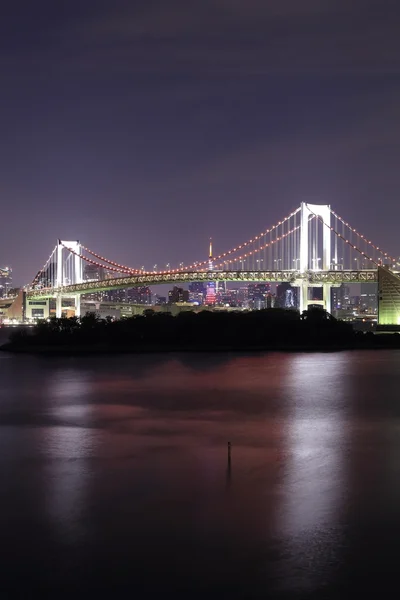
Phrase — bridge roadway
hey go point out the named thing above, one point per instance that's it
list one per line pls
(148, 279)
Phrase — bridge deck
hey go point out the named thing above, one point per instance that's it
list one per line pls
(149, 279)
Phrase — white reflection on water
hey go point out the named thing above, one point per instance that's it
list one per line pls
(315, 479)
(68, 384)
(68, 447)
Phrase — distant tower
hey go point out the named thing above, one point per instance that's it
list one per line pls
(5, 280)
(211, 291)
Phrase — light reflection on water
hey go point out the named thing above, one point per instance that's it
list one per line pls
(315, 473)
(102, 451)
(67, 447)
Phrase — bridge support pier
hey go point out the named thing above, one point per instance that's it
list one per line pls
(58, 306)
(78, 305)
(303, 290)
(327, 296)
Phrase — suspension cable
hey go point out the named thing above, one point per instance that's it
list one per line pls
(111, 262)
(394, 260)
(269, 244)
(243, 245)
(350, 244)
(93, 262)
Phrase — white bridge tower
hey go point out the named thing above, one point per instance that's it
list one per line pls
(323, 214)
(68, 271)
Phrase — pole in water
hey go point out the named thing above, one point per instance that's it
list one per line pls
(228, 471)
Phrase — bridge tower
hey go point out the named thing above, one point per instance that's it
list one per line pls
(323, 212)
(68, 271)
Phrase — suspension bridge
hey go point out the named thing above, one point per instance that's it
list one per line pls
(311, 247)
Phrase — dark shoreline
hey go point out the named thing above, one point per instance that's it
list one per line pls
(270, 330)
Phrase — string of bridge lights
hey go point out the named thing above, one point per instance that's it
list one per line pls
(193, 265)
(111, 262)
(360, 235)
(118, 268)
(278, 239)
(257, 237)
(137, 271)
(97, 264)
(124, 270)
(344, 239)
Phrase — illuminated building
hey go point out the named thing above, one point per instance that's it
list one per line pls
(243, 296)
(177, 294)
(197, 292)
(286, 296)
(369, 298)
(93, 273)
(337, 298)
(257, 295)
(5, 281)
(388, 298)
(139, 295)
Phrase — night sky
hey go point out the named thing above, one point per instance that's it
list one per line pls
(142, 128)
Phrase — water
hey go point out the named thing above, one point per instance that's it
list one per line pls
(114, 475)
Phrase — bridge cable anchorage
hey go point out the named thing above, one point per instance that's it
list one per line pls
(243, 245)
(360, 235)
(269, 244)
(344, 239)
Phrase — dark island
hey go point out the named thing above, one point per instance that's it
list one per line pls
(270, 329)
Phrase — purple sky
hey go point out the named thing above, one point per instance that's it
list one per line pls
(142, 128)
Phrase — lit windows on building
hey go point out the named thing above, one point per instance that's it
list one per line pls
(178, 294)
(5, 281)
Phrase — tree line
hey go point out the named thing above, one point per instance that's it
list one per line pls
(269, 328)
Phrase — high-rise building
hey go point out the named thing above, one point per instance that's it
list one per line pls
(139, 295)
(177, 294)
(94, 273)
(286, 296)
(257, 295)
(369, 298)
(243, 296)
(336, 298)
(136, 295)
(159, 300)
(197, 292)
(345, 296)
(115, 295)
(227, 297)
(5, 281)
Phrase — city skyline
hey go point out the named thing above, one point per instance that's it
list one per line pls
(144, 130)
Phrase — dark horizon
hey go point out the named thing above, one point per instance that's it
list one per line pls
(143, 129)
